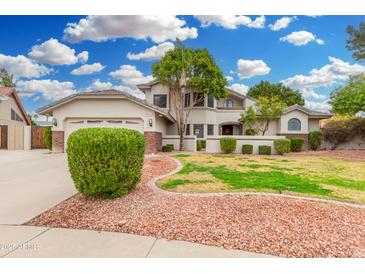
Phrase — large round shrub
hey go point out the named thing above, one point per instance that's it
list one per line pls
(48, 137)
(228, 144)
(296, 144)
(315, 139)
(105, 162)
(282, 146)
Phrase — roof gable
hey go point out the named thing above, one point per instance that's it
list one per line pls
(10, 92)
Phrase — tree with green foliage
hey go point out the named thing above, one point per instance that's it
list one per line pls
(192, 69)
(285, 94)
(249, 119)
(6, 79)
(351, 98)
(356, 41)
(269, 109)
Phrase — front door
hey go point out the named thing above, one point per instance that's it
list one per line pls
(227, 129)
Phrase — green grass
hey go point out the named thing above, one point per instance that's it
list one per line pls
(182, 155)
(327, 177)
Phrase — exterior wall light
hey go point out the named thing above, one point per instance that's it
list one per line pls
(54, 122)
(150, 122)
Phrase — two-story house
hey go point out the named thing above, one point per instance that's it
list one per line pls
(155, 115)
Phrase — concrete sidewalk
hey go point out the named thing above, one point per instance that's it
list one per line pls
(42, 242)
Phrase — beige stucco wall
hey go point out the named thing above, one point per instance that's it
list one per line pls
(294, 114)
(236, 101)
(158, 89)
(5, 112)
(103, 108)
(249, 102)
(313, 124)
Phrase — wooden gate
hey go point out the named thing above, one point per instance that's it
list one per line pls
(15, 137)
(38, 137)
(3, 137)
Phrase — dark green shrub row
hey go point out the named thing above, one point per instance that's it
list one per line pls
(315, 139)
(247, 149)
(48, 137)
(168, 148)
(265, 150)
(201, 144)
(296, 144)
(228, 144)
(282, 146)
(105, 162)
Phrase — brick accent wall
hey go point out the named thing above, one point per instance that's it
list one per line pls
(58, 141)
(153, 141)
(293, 135)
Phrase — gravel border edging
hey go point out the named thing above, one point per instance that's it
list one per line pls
(152, 184)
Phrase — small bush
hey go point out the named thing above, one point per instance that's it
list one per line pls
(282, 146)
(247, 149)
(167, 148)
(228, 144)
(265, 150)
(48, 137)
(315, 139)
(296, 144)
(250, 132)
(200, 144)
(105, 162)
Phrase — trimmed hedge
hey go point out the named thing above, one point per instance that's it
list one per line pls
(168, 148)
(247, 149)
(201, 144)
(282, 146)
(315, 139)
(265, 150)
(105, 162)
(48, 137)
(228, 144)
(296, 144)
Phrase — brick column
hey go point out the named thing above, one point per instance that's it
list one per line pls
(58, 140)
(297, 135)
(153, 141)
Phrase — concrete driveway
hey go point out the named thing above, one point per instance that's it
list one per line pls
(30, 183)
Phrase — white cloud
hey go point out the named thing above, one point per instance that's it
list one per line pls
(130, 76)
(229, 78)
(152, 53)
(88, 69)
(301, 38)
(250, 68)
(48, 89)
(325, 76)
(98, 85)
(240, 88)
(318, 106)
(83, 56)
(231, 21)
(282, 23)
(54, 53)
(22, 67)
(101, 28)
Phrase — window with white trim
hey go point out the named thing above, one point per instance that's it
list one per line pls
(294, 124)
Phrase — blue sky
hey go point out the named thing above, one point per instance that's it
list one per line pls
(55, 56)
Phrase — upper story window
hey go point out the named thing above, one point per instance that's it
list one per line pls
(160, 100)
(228, 103)
(187, 100)
(211, 101)
(15, 116)
(199, 99)
(294, 124)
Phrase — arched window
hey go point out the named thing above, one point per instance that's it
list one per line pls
(228, 103)
(294, 124)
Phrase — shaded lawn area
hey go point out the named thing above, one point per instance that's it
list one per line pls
(335, 178)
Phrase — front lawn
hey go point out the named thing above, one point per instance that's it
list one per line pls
(335, 178)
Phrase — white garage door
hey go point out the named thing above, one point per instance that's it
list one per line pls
(75, 124)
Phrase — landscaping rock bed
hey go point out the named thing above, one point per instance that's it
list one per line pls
(275, 226)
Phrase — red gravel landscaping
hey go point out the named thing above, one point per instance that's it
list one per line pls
(275, 226)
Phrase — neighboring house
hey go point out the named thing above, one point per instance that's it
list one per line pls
(155, 116)
(13, 118)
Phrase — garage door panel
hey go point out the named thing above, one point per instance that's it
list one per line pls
(129, 123)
